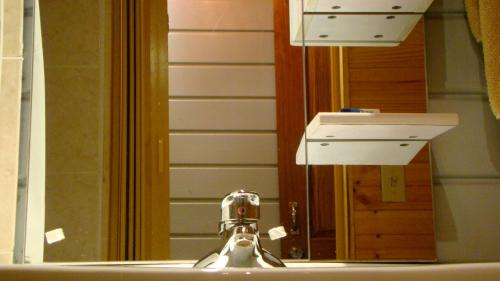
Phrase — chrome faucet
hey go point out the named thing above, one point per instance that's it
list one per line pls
(240, 211)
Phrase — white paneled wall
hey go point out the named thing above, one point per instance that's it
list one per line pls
(466, 161)
(222, 116)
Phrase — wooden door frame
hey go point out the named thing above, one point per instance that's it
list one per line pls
(139, 194)
(290, 112)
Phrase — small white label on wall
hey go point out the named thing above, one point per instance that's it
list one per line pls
(277, 233)
(54, 236)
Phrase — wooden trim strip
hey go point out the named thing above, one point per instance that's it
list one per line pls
(154, 195)
(118, 150)
(139, 209)
(290, 127)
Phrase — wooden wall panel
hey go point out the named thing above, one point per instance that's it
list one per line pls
(206, 47)
(222, 81)
(221, 14)
(416, 198)
(377, 58)
(222, 148)
(409, 222)
(290, 126)
(222, 102)
(416, 174)
(214, 182)
(391, 96)
(390, 247)
(392, 80)
(240, 115)
(321, 178)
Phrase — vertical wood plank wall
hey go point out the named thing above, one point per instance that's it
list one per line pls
(393, 80)
(222, 116)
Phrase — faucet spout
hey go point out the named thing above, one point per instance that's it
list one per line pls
(240, 236)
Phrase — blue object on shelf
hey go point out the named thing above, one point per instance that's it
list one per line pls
(350, 109)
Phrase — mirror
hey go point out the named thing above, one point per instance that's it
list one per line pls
(222, 124)
(223, 131)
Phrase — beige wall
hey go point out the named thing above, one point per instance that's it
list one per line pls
(466, 161)
(222, 116)
(11, 18)
(76, 52)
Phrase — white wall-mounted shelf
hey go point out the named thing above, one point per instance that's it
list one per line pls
(370, 138)
(354, 22)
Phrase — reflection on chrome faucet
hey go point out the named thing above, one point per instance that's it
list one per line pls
(240, 211)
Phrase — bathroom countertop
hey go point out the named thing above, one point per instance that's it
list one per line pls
(143, 272)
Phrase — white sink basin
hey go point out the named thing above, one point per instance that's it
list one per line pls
(166, 271)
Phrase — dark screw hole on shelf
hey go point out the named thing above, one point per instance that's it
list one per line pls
(330, 136)
(404, 144)
(325, 144)
(379, 36)
(332, 17)
(390, 17)
(336, 7)
(323, 36)
(396, 7)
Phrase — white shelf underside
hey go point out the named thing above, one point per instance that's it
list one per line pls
(370, 138)
(354, 22)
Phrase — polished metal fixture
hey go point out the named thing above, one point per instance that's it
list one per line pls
(240, 212)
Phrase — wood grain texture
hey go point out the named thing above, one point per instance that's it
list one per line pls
(290, 127)
(389, 247)
(321, 178)
(408, 222)
(389, 97)
(392, 80)
(368, 198)
(323, 247)
(138, 219)
(416, 175)
(154, 225)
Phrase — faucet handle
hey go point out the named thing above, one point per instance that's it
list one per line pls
(240, 205)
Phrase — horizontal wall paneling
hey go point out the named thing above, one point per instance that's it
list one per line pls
(223, 149)
(215, 182)
(222, 114)
(221, 81)
(203, 217)
(221, 14)
(221, 47)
